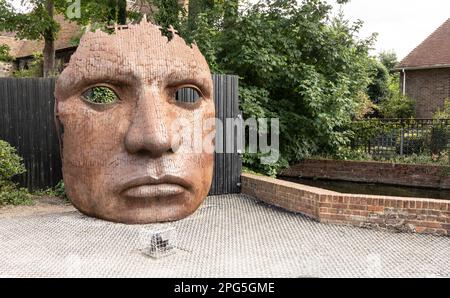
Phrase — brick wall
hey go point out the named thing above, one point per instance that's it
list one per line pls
(426, 216)
(373, 172)
(429, 87)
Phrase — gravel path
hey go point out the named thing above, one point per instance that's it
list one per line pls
(230, 236)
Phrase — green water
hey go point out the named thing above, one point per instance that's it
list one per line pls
(373, 188)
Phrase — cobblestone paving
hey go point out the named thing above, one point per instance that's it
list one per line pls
(230, 236)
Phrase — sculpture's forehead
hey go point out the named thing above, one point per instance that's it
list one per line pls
(139, 52)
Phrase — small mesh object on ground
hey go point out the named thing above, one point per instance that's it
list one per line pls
(229, 236)
(158, 243)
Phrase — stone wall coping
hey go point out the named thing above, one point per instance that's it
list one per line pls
(372, 162)
(321, 191)
(307, 188)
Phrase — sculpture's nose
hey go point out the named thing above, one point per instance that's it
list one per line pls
(148, 132)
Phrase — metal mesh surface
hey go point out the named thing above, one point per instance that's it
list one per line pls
(230, 236)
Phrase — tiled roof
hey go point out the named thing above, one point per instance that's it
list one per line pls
(14, 45)
(23, 48)
(433, 52)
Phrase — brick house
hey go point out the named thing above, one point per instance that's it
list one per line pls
(22, 50)
(425, 72)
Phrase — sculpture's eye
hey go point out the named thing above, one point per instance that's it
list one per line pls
(100, 95)
(187, 94)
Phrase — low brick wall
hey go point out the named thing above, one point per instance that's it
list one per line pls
(417, 215)
(373, 172)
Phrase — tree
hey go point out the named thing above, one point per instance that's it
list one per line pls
(168, 13)
(296, 63)
(378, 89)
(396, 105)
(388, 59)
(197, 7)
(386, 87)
(37, 24)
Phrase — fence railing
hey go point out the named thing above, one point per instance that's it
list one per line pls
(401, 137)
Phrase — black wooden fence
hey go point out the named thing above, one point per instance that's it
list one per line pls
(26, 110)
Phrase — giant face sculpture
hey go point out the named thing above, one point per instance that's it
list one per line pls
(119, 158)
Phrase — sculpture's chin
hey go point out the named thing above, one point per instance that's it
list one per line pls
(145, 211)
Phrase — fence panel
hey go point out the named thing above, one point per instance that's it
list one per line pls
(403, 137)
(26, 109)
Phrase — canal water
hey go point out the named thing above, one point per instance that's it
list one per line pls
(373, 188)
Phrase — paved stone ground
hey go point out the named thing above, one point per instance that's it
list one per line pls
(230, 236)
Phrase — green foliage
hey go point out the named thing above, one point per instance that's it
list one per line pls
(396, 105)
(385, 89)
(10, 163)
(12, 195)
(388, 59)
(196, 8)
(440, 134)
(100, 14)
(296, 63)
(169, 13)
(366, 130)
(10, 166)
(100, 95)
(412, 144)
(4, 53)
(439, 139)
(378, 89)
(365, 107)
(57, 191)
(60, 190)
(28, 25)
(34, 70)
(443, 113)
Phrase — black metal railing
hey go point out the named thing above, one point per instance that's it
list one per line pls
(401, 137)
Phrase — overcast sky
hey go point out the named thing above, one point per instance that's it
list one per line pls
(401, 24)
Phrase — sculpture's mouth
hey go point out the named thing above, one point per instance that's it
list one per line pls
(149, 187)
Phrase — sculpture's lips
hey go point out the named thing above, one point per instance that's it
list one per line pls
(149, 187)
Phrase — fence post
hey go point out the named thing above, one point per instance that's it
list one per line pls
(402, 137)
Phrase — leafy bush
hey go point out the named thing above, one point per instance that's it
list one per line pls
(440, 133)
(396, 105)
(378, 89)
(439, 139)
(4, 53)
(10, 166)
(443, 113)
(60, 190)
(10, 163)
(361, 132)
(10, 194)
